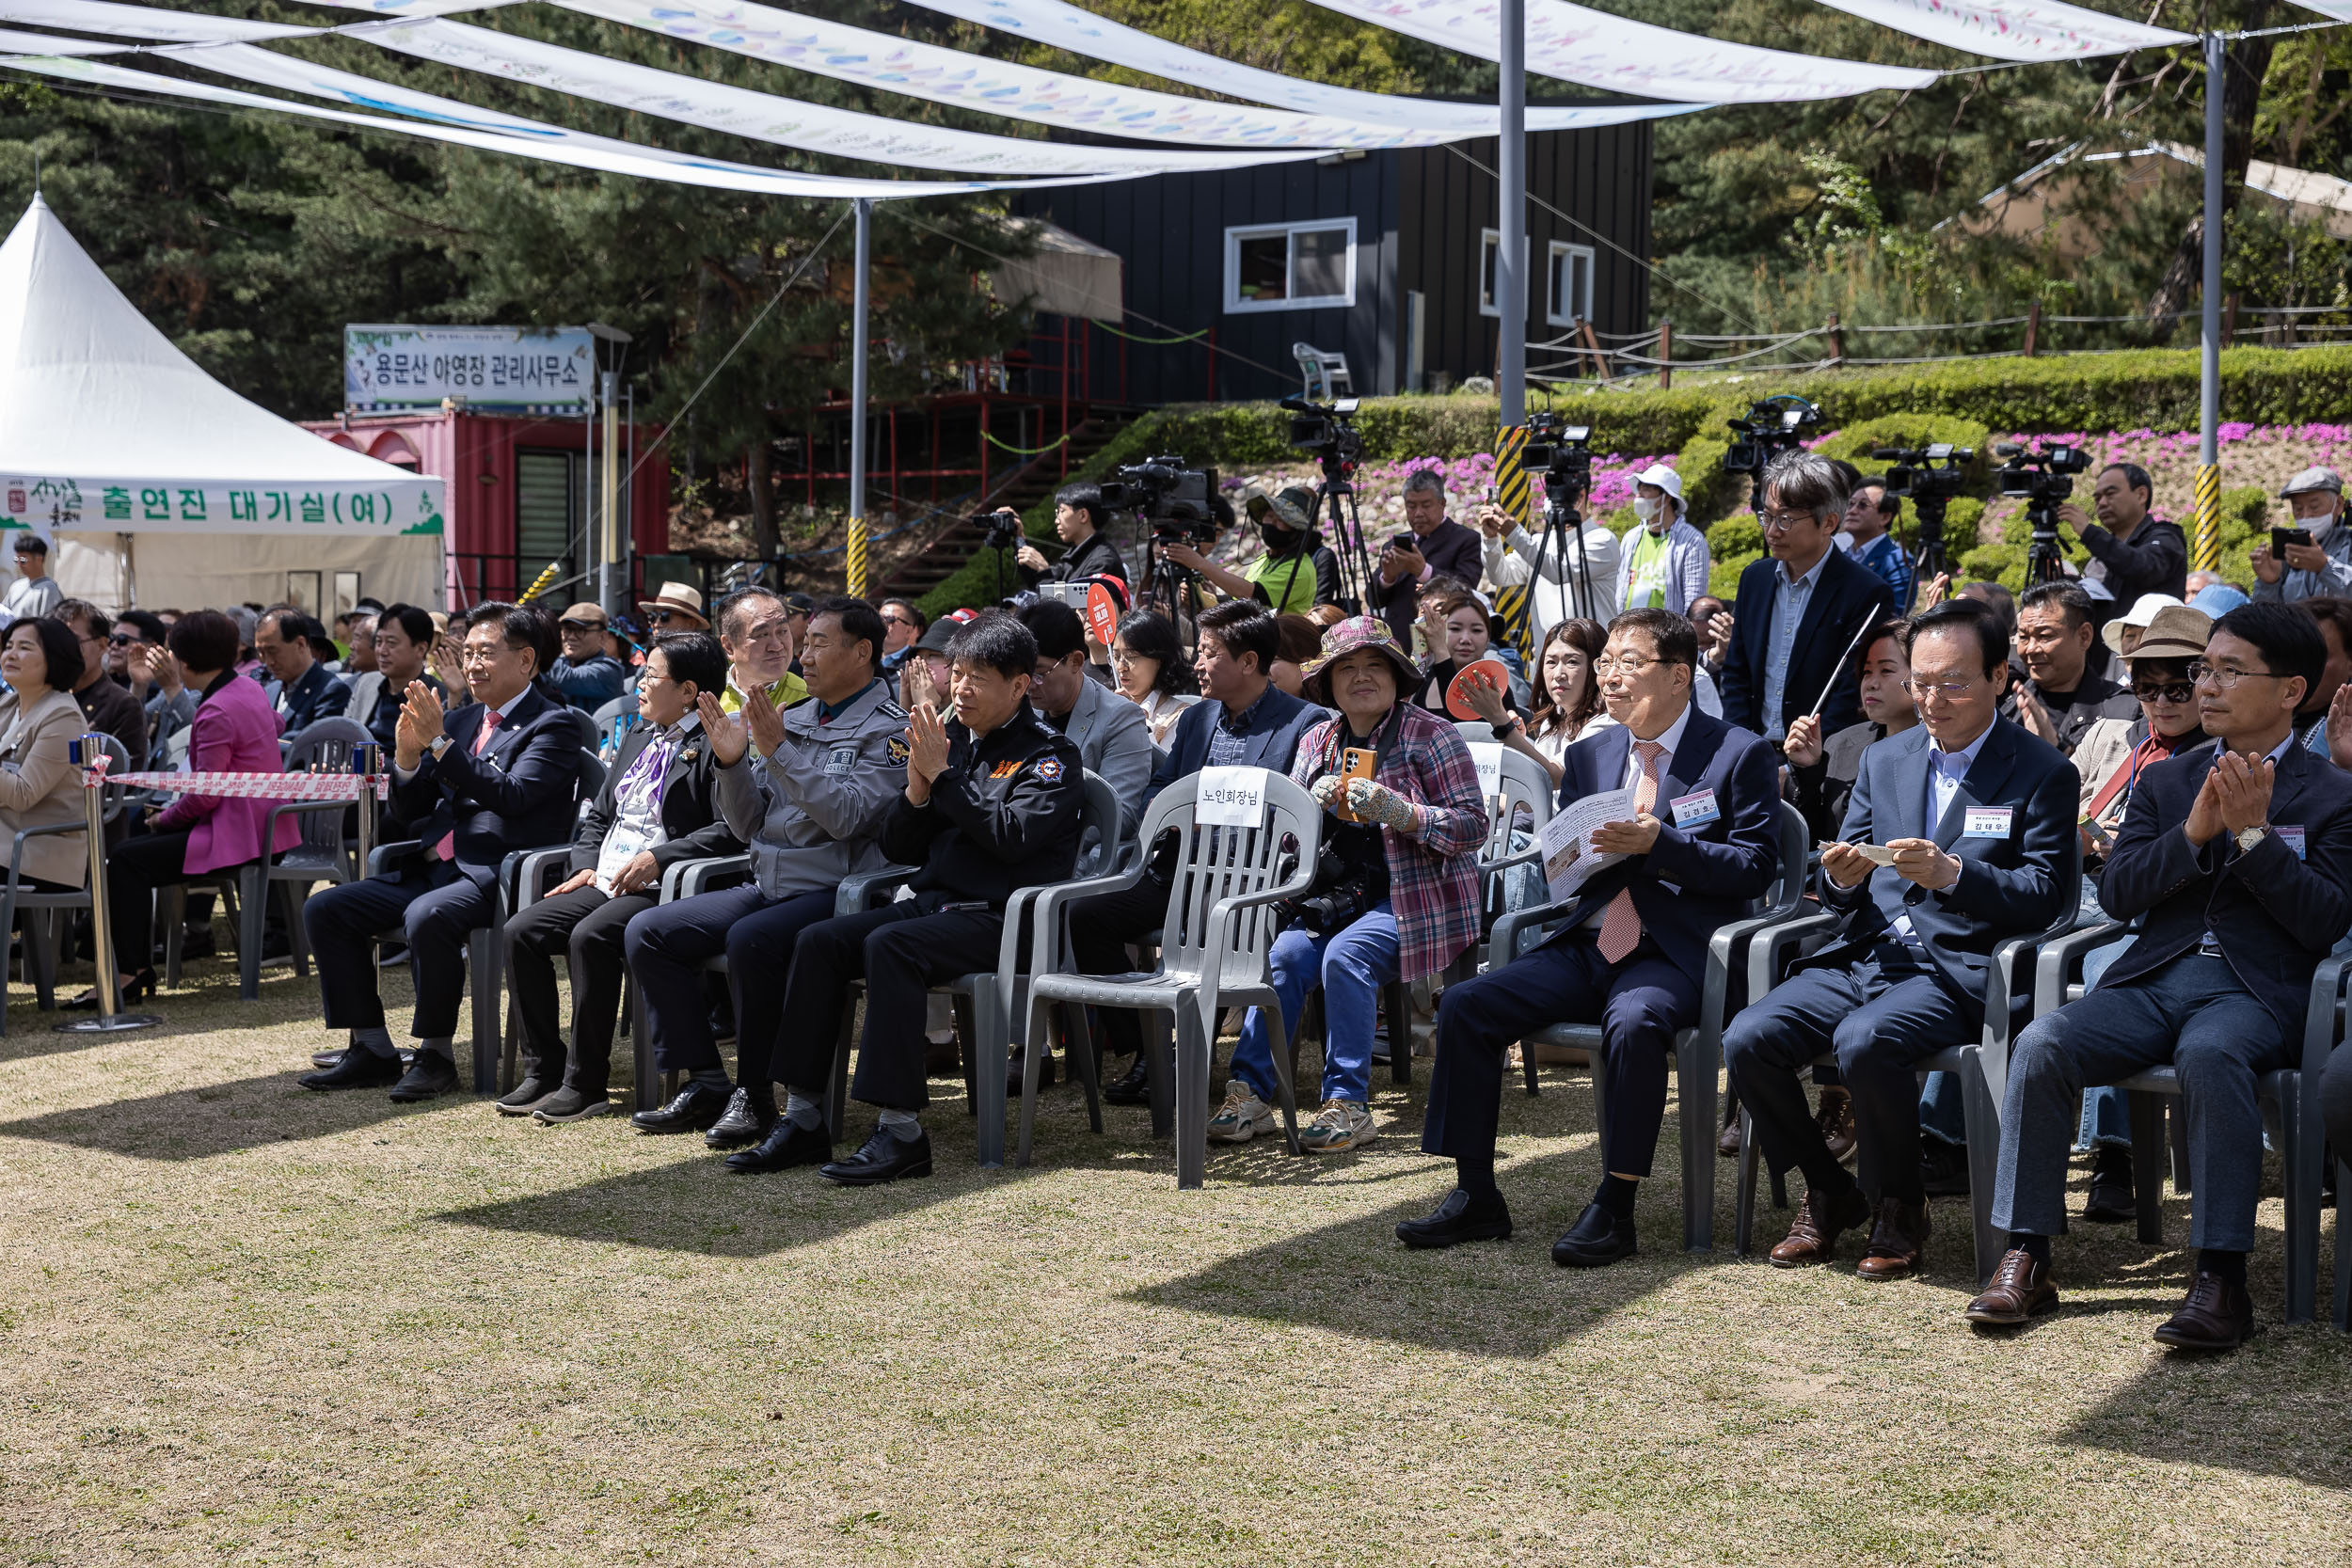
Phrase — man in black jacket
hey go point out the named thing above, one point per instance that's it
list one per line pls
(2237, 860)
(1080, 517)
(659, 806)
(1800, 609)
(2131, 552)
(495, 776)
(992, 803)
(1434, 546)
(306, 690)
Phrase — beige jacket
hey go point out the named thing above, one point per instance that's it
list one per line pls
(39, 787)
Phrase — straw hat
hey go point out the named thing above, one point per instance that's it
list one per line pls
(1352, 636)
(679, 599)
(2176, 632)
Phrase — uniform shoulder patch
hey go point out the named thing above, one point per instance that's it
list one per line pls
(1050, 769)
(889, 709)
(898, 751)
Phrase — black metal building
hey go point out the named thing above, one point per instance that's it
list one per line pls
(1384, 258)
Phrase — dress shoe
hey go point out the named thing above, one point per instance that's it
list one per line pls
(2217, 1315)
(693, 1109)
(429, 1073)
(1459, 1218)
(1943, 1167)
(1820, 1215)
(1728, 1141)
(357, 1068)
(1132, 1088)
(571, 1104)
(1598, 1237)
(2111, 1201)
(749, 1115)
(786, 1145)
(137, 988)
(885, 1157)
(2021, 1289)
(1899, 1242)
(1018, 1064)
(329, 1058)
(525, 1096)
(1835, 1118)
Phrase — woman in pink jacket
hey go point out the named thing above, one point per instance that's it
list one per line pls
(197, 835)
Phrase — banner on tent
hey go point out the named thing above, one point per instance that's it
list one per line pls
(59, 503)
(386, 369)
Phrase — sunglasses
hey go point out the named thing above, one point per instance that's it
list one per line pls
(2179, 692)
(122, 640)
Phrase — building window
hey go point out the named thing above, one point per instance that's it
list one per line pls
(1571, 284)
(1291, 266)
(1489, 247)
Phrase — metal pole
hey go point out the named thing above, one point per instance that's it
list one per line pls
(2208, 536)
(860, 299)
(87, 753)
(608, 585)
(1510, 260)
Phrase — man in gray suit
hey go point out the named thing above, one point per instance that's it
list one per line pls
(1111, 734)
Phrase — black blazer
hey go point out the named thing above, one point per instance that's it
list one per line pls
(689, 806)
(2010, 885)
(2274, 915)
(1271, 741)
(1847, 595)
(516, 795)
(1696, 878)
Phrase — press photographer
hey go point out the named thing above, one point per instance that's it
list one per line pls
(1295, 572)
(1080, 516)
(2132, 550)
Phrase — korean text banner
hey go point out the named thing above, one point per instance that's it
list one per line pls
(390, 368)
(59, 504)
(2013, 29)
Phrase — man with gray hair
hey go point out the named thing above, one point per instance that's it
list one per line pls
(1434, 546)
(1800, 609)
(2319, 565)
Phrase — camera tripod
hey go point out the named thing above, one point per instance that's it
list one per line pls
(1562, 523)
(2044, 561)
(1335, 497)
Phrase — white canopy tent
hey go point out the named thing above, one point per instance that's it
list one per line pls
(155, 483)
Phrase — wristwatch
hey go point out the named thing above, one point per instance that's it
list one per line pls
(1510, 722)
(441, 743)
(2249, 837)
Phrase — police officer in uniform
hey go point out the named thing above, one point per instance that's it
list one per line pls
(991, 803)
(808, 787)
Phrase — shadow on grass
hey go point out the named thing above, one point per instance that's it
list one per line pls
(210, 1120)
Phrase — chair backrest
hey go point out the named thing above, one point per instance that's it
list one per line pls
(1323, 372)
(327, 744)
(591, 777)
(1219, 863)
(113, 796)
(1519, 782)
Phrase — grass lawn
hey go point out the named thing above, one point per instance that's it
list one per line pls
(244, 1322)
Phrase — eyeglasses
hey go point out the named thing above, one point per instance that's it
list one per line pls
(1781, 522)
(2176, 692)
(1628, 667)
(1952, 692)
(2224, 677)
(1122, 655)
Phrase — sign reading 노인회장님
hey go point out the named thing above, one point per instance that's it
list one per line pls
(524, 370)
(51, 504)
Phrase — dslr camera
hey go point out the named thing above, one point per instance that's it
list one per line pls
(1770, 426)
(1001, 529)
(1173, 498)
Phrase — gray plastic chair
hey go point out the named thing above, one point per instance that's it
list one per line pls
(1982, 1066)
(1698, 1050)
(43, 938)
(1214, 944)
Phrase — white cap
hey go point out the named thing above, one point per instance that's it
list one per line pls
(2143, 610)
(1665, 479)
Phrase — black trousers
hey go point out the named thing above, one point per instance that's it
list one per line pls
(1640, 1005)
(901, 952)
(1100, 930)
(587, 927)
(135, 869)
(668, 947)
(437, 904)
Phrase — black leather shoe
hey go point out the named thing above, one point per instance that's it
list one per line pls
(1132, 1088)
(329, 1058)
(749, 1115)
(1597, 1238)
(693, 1109)
(359, 1068)
(1459, 1218)
(1018, 1063)
(2110, 1201)
(786, 1145)
(885, 1157)
(2217, 1315)
(430, 1073)
(536, 1085)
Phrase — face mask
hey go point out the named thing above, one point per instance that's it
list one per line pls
(1649, 508)
(2319, 527)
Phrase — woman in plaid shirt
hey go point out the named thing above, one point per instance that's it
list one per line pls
(1396, 888)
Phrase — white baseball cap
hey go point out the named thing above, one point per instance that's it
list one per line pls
(2142, 615)
(1665, 479)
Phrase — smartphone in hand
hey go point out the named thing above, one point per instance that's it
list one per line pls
(2281, 537)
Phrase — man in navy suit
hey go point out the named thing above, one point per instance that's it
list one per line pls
(1977, 813)
(2237, 862)
(1246, 721)
(1703, 842)
(497, 775)
(1799, 608)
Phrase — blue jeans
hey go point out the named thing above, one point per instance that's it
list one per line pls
(1351, 965)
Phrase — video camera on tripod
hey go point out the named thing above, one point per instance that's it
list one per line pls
(1561, 454)
(1328, 431)
(2044, 477)
(1929, 476)
(1173, 500)
(1770, 426)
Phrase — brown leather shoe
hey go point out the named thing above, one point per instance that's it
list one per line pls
(1836, 1116)
(1728, 1141)
(1813, 1238)
(1899, 1242)
(2021, 1289)
(2217, 1315)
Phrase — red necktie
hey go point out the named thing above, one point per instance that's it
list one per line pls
(447, 848)
(1620, 926)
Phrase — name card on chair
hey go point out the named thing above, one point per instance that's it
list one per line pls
(1487, 756)
(1229, 798)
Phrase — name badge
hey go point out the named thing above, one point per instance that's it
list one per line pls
(1696, 808)
(2292, 838)
(1987, 821)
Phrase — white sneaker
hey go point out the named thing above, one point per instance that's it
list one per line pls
(1239, 1118)
(1341, 1124)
